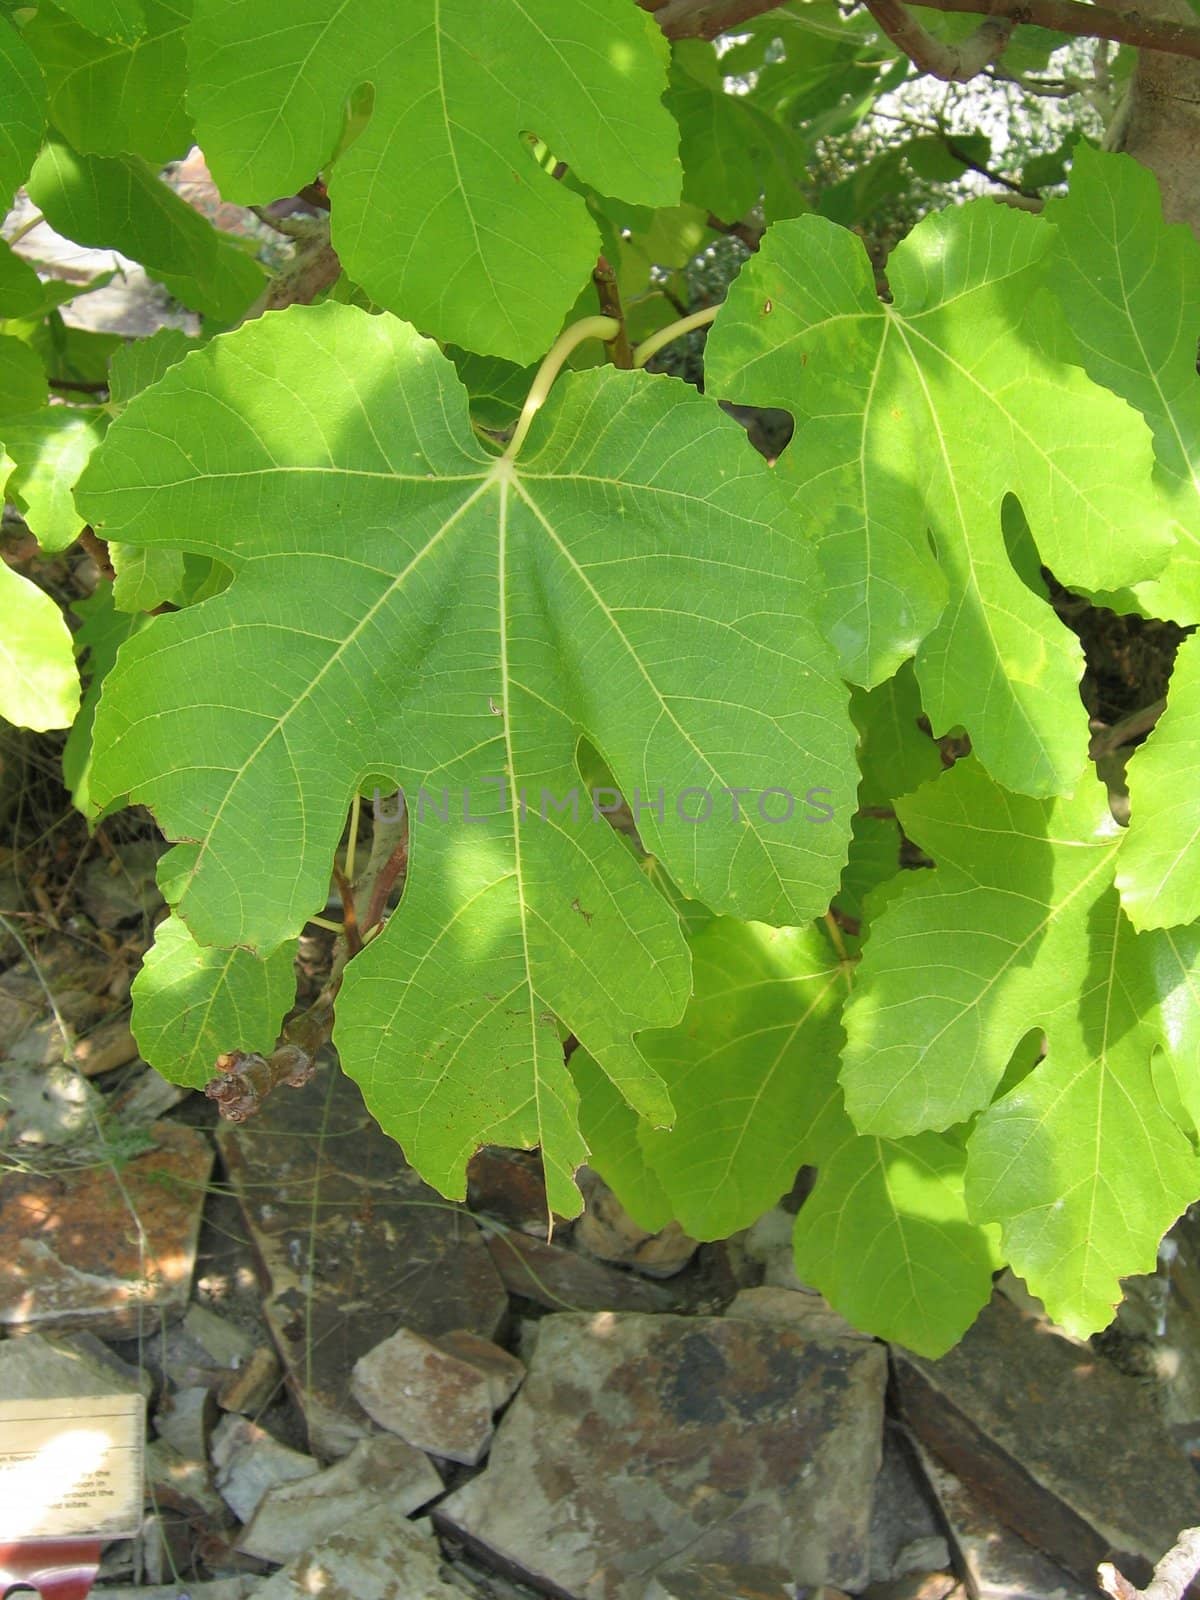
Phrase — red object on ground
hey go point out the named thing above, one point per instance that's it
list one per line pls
(59, 1569)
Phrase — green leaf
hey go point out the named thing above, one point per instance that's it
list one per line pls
(439, 209)
(895, 754)
(1129, 290)
(404, 603)
(611, 1130)
(1081, 1164)
(22, 378)
(144, 578)
(109, 19)
(764, 1012)
(39, 686)
(122, 204)
(138, 364)
(22, 293)
(965, 959)
(49, 449)
(913, 422)
(125, 97)
(885, 1235)
(22, 110)
(192, 1002)
(102, 630)
(1159, 872)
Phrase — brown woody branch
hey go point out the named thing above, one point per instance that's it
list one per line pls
(706, 19)
(953, 63)
(1172, 1575)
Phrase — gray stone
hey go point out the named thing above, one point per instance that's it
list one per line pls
(996, 1563)
(251, 1387)
(504, 1373)
(185, 1419)
(718, 1580)
(222, 1343)
(383, 1473)
(1067, 1451)
(769, 1242)
(36, 1368)
(181, 1483)
(353, 1245)
(380, 1556)
(905, 1507)
(45, 1104)
(433, 1399)
(803, 1309)
(248, 1462)
(606, 1230)
(236, 1588)
(563, 1279)
(71, 1256)
(929, 1554)
(637, 1438)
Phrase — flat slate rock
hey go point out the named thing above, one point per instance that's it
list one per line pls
(34, 1368)
(378, 1556)
(997, 1563)
(639, 1444)
(1051, 1438)
(70, 1251)
(560, 1279)
(352, 1245)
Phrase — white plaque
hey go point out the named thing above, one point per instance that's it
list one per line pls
(71, 1467)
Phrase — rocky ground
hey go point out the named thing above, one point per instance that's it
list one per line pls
(355, 1388)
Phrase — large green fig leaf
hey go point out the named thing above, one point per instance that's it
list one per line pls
(914, 420)
(119, 97)
(967, 958)
(440, 211)
(1081, 1164)
(406, 604)
(1159, 873)
(1129, 289)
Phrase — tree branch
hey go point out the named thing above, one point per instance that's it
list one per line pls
(953, 63)
(1171, 1576)
(706, 19)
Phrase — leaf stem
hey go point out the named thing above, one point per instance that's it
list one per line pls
(674, 330)
(606, 328)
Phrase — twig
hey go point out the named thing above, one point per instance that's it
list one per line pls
(707, 19)
(1105, 740)
(749, 235)
(349, 919)
(953, 63)
(1171, 1576)
(96, 547)
(246, 1079)
(609, 296)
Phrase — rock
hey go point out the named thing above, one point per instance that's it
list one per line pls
(45, 1105)
(181, 1483)
(637, 1437)
(248, 1462)
(918, 1586)
(380, 1474)
(562, 1279)
(221, 1345)
(769, 1242)
(431, 1398)
(504, 1373)
(510, 1185)
(608, 1231)
(250, 1387)
(718, 1580)
(110, 1044)
(997, 1564)
(905, 1507)
(353, 1245)
(928, 1554)
(185, 1419)
(146, 1097)
(125, 889)
(36, 1368)
(71, 1255)
(1157, 1330)
(1055, 1442)
(237, 1588)
(380, 1556)
(803, 1309)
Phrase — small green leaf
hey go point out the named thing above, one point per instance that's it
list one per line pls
(895, 753)
(914, 420)
(965, 959)
(102, 631)
(141, 362)
(193, 1002)
(1129, 290)
(49, 450)
(439, 209)
(1081, 1165)
(122, 204)
(611, 1130)
(144, 578)
(39, 686)
(1159, 871)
